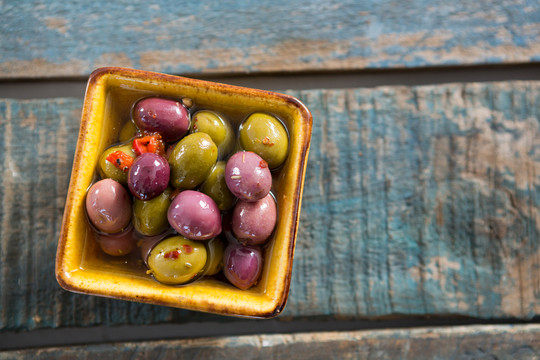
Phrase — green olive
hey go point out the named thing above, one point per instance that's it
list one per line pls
(128, 131)
(150, 216)
(108, 170)
(177, 260)
(216, 248)
(266, 136)
(216, 187)
(192, 160)
(216, 127)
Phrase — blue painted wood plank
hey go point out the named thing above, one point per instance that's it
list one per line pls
(418, 200)
(467, 342)
(64, 39)
(421, 200)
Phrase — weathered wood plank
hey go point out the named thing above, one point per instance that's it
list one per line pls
(420, 200)
(61, 39)
(472, 342)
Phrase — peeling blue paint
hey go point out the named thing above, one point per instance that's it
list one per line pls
(383, 34)
(435, 243)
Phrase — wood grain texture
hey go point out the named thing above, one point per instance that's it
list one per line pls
(472, 342)
(62, 39)
(420, 201)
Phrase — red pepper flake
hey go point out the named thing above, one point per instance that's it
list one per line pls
(266, 141)
(187, 248)
(173, 254)
(263, 164)
(121, 160)
(195, 125)
(150, 143)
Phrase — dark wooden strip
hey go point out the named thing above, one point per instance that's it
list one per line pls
(65, 39)
(419, 201)
(472, 342)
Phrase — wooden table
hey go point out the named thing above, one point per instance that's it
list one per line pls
(420, 227)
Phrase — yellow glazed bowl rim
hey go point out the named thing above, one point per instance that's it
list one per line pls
(266, 299)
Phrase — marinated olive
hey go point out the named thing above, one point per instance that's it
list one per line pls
(191, 160)
(167, 117)
(216, 127)
(114, 163)
(150, 216)
(216, 187)
(108, 206)
(148, 176)
(216, 248)
(247, 176)
(128, 131)
(119, 244)
(266, 136)
(242, 265)
(195, 215)
(177, 260)
(253, 222)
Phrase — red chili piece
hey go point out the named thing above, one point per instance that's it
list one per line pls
(150, 143)
(173, 254)
(187, 248)
(121, 160)
(263, 164)
(266, 141)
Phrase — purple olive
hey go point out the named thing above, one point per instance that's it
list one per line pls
(195, 215)
(117, 244)
(148, 176)
(253, 222)
(247, 176)
(167, 117)
(242, 265)
(108, 206)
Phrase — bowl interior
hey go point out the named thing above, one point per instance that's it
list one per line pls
(82, 267)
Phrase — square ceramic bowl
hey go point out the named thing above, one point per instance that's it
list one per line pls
(80, 265)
